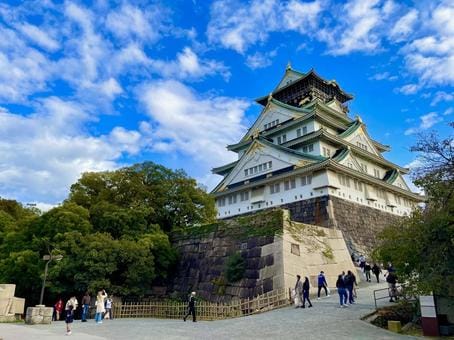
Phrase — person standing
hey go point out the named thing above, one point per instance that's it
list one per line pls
(298, 292)
(321, 281)
(392, 288)
(70, 307)
(100, 309)
(109, 303)
(377, 271)
(367, 269)
(306, 288)
(58, 308)
(340, 285)
(85, 306)
(350, 282)
(191, 307)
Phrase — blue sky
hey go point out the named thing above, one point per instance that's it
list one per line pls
(90, 86)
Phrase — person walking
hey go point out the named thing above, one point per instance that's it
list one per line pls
(298, 292)
(191, 308)
(392, 288)
(85, 306)
(367, 269)
(321, 281)
(362, 261)
(100, 309)
(340, 285)
(70, 307)
(109, 303)
(377, 271)
(306, 288)
(350, 282)
(58, 308)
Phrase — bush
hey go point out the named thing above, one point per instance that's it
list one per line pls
(235, 268)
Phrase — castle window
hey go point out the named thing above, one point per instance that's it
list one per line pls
(260, 167)
(221, 202)
(275, 188)
(298, 132)
(244, 196)
(284, 138)
(246, 172)
(306, 180)
(295, 249)
(310, 147)
(279, 140)
(232, 199)
(364, 167)
(289, 184)
(304, 130)
(270, 163)
(377, 173)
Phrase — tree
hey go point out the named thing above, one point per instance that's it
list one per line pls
(421, 246)
(158, 195)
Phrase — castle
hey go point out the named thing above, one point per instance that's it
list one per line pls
(305, 153)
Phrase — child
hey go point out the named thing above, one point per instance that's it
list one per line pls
(71, 305)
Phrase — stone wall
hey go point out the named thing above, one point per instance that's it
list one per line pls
(360, 224)
(274, 248)
(205, 252)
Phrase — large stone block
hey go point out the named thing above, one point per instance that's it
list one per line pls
(7, 291)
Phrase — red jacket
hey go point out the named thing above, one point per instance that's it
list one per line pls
(59, 306)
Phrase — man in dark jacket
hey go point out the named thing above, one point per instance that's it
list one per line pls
(392, 288)
(350, 281)
(322, 284)
(191, 307)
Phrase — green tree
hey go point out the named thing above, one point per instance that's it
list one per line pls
(159, 195)
(421, 246)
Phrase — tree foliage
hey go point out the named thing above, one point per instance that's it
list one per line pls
(421, 246)
(112, 233)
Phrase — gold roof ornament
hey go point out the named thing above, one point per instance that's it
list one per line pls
(358, 118)
(289, 66)
(255, 133)
(270, 96)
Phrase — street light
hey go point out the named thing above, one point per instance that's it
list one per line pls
(47, 258)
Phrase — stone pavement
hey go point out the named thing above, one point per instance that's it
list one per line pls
(324, 321)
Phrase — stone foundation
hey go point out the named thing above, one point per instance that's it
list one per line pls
(274, 250)
(39, 315)
(11, 307)
(360, 224)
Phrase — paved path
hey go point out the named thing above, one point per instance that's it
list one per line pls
(324, 321)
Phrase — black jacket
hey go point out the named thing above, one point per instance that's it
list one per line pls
(340, 283)
(191, 303)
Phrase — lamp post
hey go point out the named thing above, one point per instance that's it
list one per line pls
(47, 258)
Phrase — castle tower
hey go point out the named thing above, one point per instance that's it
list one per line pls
(306, 154)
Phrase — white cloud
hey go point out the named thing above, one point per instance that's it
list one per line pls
(191, 124)
(260, 60)
(238, 25)
(426, 122)
(442, 96)
(448, 111)
(430, 56)
(404, 26)
(408, 89)
(356, 30)
(45, 152)
(189, 65)
(383, 76)
(39, 36)
(129, 22)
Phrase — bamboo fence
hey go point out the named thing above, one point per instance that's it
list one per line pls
(204, 310)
